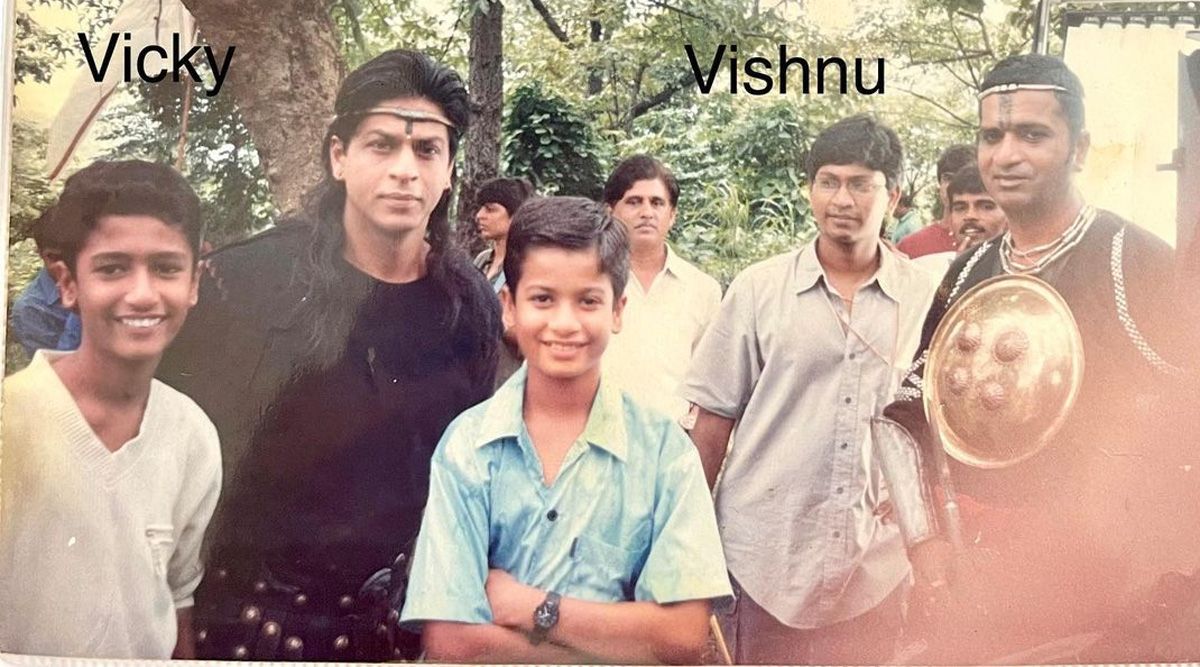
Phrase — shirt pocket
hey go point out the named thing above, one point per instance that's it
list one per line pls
(160, 537)
(600, 571)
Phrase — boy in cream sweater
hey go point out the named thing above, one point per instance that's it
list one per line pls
(109, 476)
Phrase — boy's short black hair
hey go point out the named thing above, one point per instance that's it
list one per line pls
(859, 139)
(955, 158)
(965, 181)
(507, 192)
(639, 168)
(1042, 70)
(45, 236)
(126, 187)
(572, 223)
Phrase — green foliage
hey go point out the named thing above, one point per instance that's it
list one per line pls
(219, 157)
(768, 149)
(31, 192)
(741, 174)
(621, 83)
(369, 27)
(43, 49)
(23, 265)
(549, 142)
(734, 237)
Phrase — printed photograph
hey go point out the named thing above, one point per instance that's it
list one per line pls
(821, 332)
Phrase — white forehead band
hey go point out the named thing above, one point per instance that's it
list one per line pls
(1011, 87)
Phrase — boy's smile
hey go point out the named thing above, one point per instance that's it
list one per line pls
(562, 313)
(133, 283)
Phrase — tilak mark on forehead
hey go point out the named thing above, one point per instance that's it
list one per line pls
(1006, 106)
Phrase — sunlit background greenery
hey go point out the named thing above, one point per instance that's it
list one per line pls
(572, 109)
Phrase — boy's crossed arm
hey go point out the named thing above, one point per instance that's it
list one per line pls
(637, 632)
(586, 632)
(452, 641)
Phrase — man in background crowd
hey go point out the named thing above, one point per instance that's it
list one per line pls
(669, 301)
(941, 235)
(973, 212)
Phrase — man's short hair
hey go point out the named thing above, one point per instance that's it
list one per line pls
(639, 168)
(127, 187)
(507, 192)
(1035, 69)
(859, 139)
(571, 223)
(954, 158)
(965, 181)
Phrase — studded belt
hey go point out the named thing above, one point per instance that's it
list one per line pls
(254, 614)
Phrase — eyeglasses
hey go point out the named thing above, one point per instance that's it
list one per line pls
(859, 187)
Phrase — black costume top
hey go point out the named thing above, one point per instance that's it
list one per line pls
(1067, 529)
(327, 462)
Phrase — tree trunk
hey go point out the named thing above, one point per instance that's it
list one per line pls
(486, 84)
(284, 77)
(596, 71)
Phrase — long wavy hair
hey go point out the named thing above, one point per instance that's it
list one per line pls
(335, 292)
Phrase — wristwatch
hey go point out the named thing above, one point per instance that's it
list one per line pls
(544, 617)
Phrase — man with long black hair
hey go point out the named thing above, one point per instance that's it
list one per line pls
(331, 353)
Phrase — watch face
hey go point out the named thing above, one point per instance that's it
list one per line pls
(546, 614)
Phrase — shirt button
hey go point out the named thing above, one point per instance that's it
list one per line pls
(552, 515)
(840, 489)
(848, 399)
(852, 356)
(837, 533)
(845, 445)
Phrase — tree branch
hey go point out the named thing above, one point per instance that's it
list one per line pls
(664, 95)
(983, 31)
(959, 119)
(961, 57)
(963, 49)
(555, 28)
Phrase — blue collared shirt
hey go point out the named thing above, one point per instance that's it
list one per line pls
(629, 516)
(39, 320)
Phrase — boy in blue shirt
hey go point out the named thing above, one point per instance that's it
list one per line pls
(565, 523)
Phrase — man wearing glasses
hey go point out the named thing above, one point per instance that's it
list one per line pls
(804, 350)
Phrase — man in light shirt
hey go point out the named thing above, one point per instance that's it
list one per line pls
(670, 302)
(806, 348)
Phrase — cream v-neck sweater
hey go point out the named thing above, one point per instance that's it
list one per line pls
(98, 548)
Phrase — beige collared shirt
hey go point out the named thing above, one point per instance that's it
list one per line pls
(802, 376)
(660, 328)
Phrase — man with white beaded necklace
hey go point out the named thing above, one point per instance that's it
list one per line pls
(1077, 529)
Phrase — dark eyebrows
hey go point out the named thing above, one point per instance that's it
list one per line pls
(380, 134)
(115, 256)
(1025, 127)
(397, 137)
